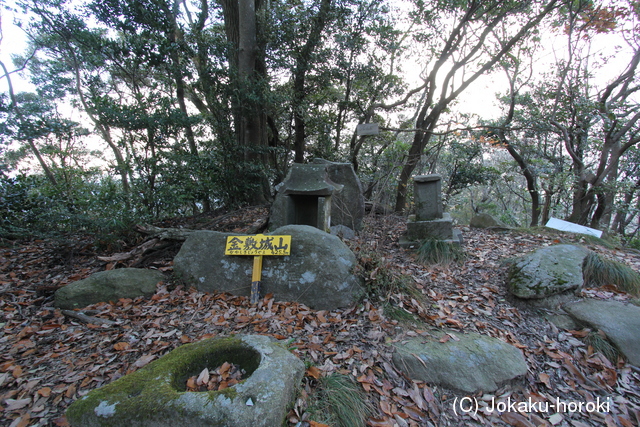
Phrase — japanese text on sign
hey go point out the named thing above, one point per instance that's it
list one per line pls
(258, 245)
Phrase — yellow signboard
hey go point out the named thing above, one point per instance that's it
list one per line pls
(258, 245)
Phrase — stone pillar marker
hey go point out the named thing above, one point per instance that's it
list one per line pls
(428, 197)
(430, 222)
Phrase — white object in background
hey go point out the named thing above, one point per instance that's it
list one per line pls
(367, 129)
(561, 225)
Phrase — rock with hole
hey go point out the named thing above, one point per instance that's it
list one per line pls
(156, 396)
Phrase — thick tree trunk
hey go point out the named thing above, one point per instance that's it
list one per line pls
(250, 117)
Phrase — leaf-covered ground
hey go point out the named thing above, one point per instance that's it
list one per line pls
(48, 358)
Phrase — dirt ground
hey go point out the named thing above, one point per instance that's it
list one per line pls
(50, 358)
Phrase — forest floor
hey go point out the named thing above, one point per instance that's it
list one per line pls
(49, 359)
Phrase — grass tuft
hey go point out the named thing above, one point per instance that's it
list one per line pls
(599, 271)
(382, 280)
(345, 400)
(601, 345)
(432, 251)
(394, 312)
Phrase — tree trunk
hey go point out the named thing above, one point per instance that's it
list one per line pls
(451, 87)
(303, 61)
(250, 118)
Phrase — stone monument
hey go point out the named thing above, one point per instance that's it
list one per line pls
(304, 198)
(347, 206)
(430, 221)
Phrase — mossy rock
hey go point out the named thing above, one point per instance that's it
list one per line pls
(547, 271)
(155, 395)
(108, 286)
(469, 362)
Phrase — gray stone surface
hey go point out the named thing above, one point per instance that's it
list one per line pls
(547, 271)
(347, 206)
(318, 273)
(620, 322)
(344, 232)
(553, 302)
(485, 220)
(562, 321)
(305, 197)
(155, 395)
(108, 286)
(429, 221)
(428, 197)
(441, 229)
(472, 363)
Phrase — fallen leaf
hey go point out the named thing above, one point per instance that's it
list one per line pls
(314, 372)
(203, 378)
(144, 360)
(15, 404)
(17, 372)
(44, 391)
(544, 378)
(120, 346)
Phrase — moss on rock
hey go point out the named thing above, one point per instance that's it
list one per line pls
(155, 395)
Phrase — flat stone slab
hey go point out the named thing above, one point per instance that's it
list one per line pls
(108, 286)
(472, 363)
(547, 271)
(620, 322)
(155, 395)
(427, 192)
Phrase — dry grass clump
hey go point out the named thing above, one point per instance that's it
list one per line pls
(433, 251)
(601, 345)
(341, 402)
(599, 271)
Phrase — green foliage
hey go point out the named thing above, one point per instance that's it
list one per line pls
(433, 251)
(634, 244)
(392, 311)
(599, 271)
(31, 206)
(340, 401)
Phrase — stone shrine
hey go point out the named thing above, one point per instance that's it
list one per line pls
(347, 206)
(430, 221)
(304, 198)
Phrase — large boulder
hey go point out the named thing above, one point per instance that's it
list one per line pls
(318, 273)
(156, 395)
(620, 322)
(108, 286)
(547, 271)
(484, 220)
(468, 362)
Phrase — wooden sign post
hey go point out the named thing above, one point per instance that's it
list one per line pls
(258, 246)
